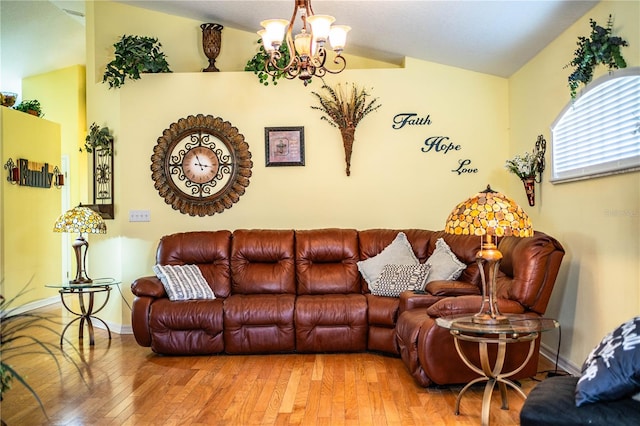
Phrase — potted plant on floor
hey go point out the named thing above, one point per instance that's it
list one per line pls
(134, 55)
(17, 338)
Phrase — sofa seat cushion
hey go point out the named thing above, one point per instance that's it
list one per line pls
(331, 323)
(190, 327)
(259, 323)
(552, 403)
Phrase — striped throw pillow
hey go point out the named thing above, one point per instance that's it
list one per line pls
(183, 282)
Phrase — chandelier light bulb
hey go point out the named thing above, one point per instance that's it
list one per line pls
(320, 27)
(338, 37)
(275, 29)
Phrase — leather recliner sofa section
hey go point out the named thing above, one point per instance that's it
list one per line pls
(288, 291)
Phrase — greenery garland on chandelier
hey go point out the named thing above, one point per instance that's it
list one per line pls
(600, 48)
(344, 109)
(256, 64)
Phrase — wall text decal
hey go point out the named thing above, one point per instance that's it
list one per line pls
(433, 144)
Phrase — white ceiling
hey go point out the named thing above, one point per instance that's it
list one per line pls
(495, 37)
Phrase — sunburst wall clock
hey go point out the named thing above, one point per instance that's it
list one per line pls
(201, 165)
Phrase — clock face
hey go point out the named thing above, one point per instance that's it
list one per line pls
(201, 165)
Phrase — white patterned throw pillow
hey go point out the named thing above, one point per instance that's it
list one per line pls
(394, 279)
(399, 252)
(183, 282)
(444, 264)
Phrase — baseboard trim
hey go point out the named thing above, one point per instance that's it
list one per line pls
(563, 363)
(35, 305)
(114, 327)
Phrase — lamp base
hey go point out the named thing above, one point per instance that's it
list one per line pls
(488, 319)
(81, 281)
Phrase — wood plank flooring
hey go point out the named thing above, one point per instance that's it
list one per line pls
(121, 383)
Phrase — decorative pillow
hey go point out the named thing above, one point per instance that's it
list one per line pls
(399, 252)
(394, 279)
(612, 369)
(444, 264)
(183, 282)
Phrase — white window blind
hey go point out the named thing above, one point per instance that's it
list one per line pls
(599, 133)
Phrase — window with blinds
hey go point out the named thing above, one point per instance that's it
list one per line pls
(599, 133)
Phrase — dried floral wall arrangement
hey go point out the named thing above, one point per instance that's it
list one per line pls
(344, 108)
(600, 48)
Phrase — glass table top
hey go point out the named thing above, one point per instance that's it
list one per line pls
(517, 323)
(97, 282)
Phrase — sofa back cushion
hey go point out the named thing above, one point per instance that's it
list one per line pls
(465, 247)
(326, 261)
(373, 241)
(209, 250)
(262, 261)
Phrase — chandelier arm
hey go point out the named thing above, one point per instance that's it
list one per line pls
(338, 59)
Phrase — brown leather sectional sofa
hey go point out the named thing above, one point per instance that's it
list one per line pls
(286, 291)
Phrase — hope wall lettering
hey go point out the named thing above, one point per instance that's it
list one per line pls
(433, 144)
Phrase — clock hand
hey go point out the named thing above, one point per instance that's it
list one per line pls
(199, 163)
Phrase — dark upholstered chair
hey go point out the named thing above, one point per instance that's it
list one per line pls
(552, 403)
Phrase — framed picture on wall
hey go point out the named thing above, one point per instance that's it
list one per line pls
(284, 146)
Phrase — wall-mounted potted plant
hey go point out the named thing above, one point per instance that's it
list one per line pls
(98, 138)
(32, 107)
(600, 48)
(134, 55)
(344, 109)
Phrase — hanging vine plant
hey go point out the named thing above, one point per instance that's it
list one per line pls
(256, 64)
(600, 48)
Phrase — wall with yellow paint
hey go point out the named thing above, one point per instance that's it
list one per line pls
(393, 183)
(597, 220)
(31, 252)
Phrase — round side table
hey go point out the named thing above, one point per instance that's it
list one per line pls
(87, 307)
(519, 328)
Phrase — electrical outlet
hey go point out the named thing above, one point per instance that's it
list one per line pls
(139, 216)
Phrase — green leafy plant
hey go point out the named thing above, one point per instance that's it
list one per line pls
(99, 138)
(344, 109)
(134, 55)
(17, 339)
(600, 48)
(256, 64)
(31, 107)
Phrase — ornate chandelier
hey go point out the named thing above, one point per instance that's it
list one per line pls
(307, 53)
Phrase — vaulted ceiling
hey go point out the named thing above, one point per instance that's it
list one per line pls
(495, 37)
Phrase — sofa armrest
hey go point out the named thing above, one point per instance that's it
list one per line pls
(148, 286)
(412, 300)
(470, 305)
(452, 288)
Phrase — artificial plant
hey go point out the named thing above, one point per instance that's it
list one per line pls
(344, 109)
(99, 138)
(257, 64)
(134, 55)
(599, 48)
(18, 339)
(32, 107)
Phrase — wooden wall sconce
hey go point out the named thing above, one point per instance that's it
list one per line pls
(34, 174)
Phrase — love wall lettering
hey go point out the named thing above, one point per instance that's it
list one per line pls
(433, 144)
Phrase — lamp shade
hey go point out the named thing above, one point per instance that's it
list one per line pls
(489, 213)
(80, 219)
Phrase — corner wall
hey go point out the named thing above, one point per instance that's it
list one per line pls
(597, 220)
(393, 183)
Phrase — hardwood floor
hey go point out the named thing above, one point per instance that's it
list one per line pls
(125, 384)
